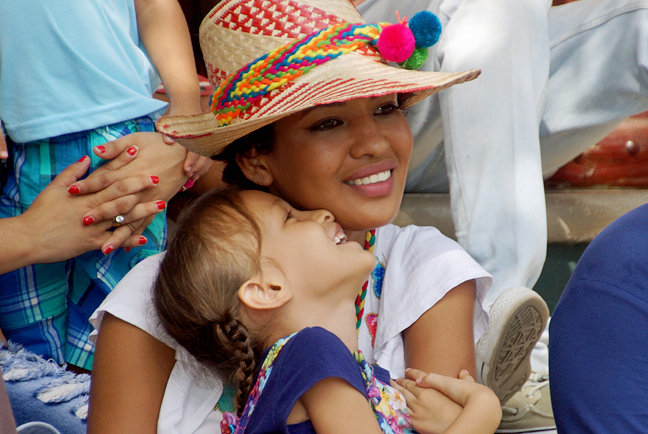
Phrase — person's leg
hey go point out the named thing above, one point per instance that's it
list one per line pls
(598, 76)
(491, 135)
(42, 391)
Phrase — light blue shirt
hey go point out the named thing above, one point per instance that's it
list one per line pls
(71, 65)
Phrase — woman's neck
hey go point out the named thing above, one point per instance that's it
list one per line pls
(357, 236)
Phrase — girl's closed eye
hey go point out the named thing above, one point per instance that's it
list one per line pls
(288, 215)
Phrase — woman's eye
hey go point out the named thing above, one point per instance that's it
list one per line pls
(388, 109)
(326, 125)
(288, 215)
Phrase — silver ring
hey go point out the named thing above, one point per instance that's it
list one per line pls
(118, 220)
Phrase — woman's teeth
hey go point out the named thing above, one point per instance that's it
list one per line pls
(340, 239)
(378, 177)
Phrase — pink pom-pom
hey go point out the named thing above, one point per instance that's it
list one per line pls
(396, 43)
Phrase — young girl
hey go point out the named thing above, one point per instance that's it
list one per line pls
(330, 136)
(254, 288)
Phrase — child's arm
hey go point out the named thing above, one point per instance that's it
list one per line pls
(335, 407)
(441, 340)
(480, 411)
(163, 31)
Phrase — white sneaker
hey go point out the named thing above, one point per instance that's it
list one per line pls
(517, 319)
(529, 410)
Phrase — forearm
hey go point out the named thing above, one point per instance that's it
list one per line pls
(17, 249)
(163, 31)
(481, 415)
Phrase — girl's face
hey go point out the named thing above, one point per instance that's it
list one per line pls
(350, 158)
(309, 247)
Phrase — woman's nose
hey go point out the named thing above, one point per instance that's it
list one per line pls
(368, 140)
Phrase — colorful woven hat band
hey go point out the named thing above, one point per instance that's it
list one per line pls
(404, 43)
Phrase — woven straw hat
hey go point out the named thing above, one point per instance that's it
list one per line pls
(237, 32)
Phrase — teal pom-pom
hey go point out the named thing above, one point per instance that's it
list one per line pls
(417, 59)
(426, 28)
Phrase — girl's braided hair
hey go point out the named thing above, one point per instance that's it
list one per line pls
(214, 251)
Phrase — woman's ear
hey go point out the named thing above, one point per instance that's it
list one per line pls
(255, 168)
(259, 294)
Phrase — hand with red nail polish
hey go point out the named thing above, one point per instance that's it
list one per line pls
(63, 223)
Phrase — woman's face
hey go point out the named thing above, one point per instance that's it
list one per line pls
(350, 158)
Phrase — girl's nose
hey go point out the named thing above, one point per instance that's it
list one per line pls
(322, 216)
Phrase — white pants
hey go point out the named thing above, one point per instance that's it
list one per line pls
(555, 80)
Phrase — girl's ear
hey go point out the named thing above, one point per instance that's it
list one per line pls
(258, 294)
(255, 168)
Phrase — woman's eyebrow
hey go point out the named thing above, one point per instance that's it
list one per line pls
(304, 112)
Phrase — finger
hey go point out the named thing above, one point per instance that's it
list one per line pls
(169, 140)
(105, 175)
(118, 198)
(72, 173)
(202, 166)
(130, 235)
(189, 164)
(465, 375)
(112, 149)
(123, 237)
(414, 374)
(453, 388)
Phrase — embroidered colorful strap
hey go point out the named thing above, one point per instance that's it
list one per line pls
(286, 63)
(231, 424)
(370, 241)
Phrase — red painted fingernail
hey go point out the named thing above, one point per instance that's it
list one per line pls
(88, 220)
(82, 159)
(73, 189)
(101, 149)
(127, 249)
(142, 240)
(108, 249)
(132, 150)
(155, 179)
(160, 204)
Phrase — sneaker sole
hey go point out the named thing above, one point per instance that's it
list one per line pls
(510, 354)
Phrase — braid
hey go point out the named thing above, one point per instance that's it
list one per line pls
(214, 251)
(233, 334)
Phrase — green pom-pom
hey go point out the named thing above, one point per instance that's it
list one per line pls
(417, 59)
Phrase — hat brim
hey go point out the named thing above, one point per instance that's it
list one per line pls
(355, 76)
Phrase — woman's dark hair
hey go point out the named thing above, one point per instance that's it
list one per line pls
(214, 251)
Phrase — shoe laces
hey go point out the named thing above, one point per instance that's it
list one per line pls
(537, 381)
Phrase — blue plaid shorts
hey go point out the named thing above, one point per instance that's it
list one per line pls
(45, 307)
